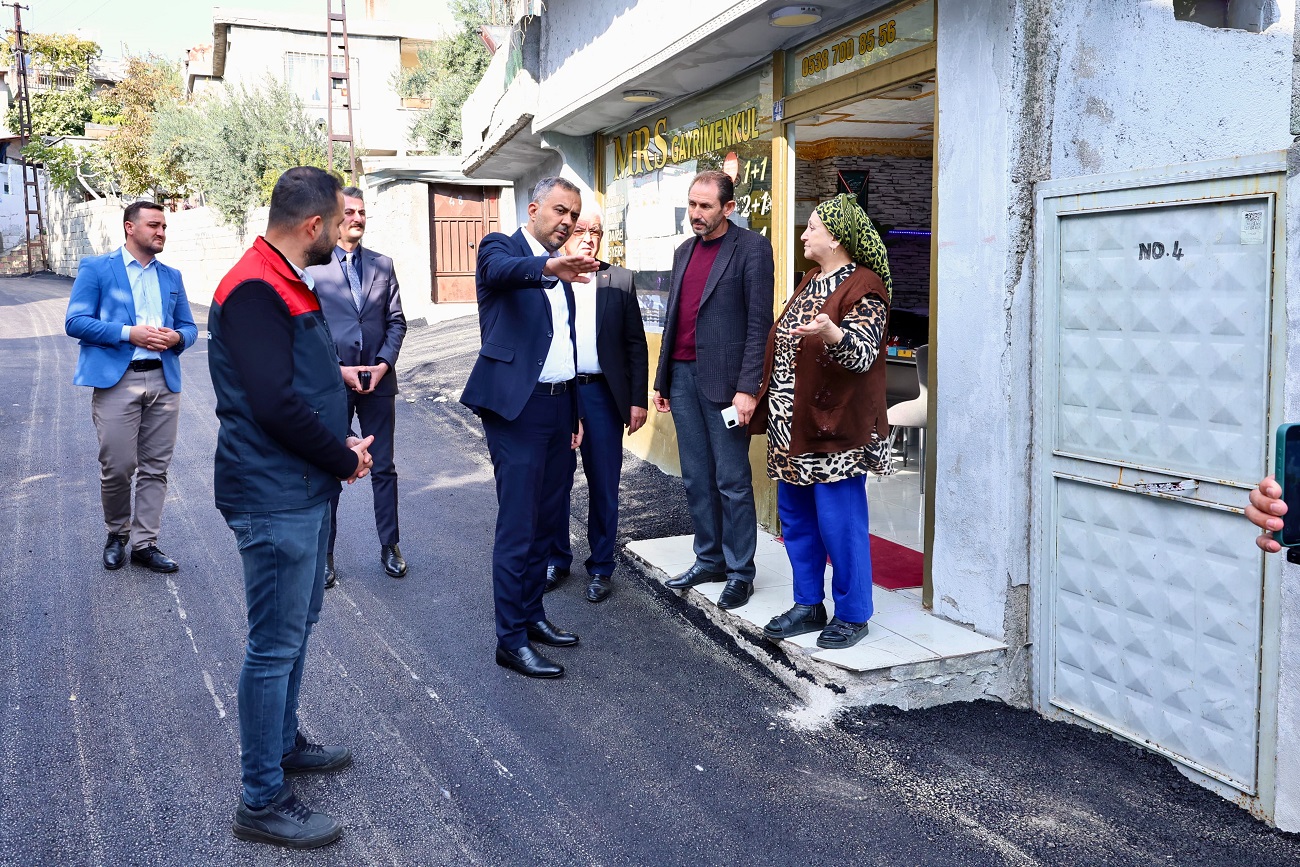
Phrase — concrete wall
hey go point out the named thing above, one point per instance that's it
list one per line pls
(13, 210)
(378, 117)
(397, 225)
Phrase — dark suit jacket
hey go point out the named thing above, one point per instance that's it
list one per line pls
(376, 331)
(735, 316)
(620, 339)
(514, 321)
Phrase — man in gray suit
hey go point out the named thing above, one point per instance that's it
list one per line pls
(710, 367)
(359, 296)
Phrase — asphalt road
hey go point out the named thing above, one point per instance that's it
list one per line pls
(661, 746)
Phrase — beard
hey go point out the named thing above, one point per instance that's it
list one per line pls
(321, 252)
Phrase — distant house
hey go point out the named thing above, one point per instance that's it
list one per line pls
(250, 46)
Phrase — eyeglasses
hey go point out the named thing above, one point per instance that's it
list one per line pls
(597, 234)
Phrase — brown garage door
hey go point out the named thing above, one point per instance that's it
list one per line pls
(461, 216)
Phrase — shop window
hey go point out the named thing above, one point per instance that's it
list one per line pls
(1255, 16)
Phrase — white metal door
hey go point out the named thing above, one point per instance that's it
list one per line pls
(1157, 317)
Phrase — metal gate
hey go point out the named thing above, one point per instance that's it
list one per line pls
(1154, 412)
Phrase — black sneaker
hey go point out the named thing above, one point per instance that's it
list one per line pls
(285, 821)
(309, 758)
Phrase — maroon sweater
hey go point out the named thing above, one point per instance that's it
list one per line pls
(688, 309)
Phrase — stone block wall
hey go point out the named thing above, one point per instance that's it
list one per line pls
(899, 192)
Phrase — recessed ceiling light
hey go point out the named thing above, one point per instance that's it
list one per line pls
(795, 16)
(642, 96)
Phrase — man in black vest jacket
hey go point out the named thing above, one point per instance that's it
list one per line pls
(282, 448)
(612, 376)
(360, 299)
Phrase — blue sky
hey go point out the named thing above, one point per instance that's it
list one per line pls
(171, 27)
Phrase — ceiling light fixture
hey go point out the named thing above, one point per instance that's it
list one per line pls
(642, 96)
(794, 16)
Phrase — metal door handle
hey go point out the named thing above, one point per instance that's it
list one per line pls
(471, 243)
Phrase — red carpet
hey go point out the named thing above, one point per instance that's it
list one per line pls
(893, 566)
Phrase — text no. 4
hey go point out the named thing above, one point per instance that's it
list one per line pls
(1156, 250)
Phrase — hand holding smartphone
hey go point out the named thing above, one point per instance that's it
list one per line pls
(1288, 477)
(363, 377)
(732, 419)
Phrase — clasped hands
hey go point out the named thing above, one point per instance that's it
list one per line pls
(364, 461)
(154, 339)
(351, 380)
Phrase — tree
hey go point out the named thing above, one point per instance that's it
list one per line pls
(448, 72)
(233, 145)
(56, 111)
(151, 84)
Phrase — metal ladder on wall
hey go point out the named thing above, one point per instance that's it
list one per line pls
(336, 33)
(31, 177)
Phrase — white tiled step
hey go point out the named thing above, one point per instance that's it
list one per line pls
(902, 631)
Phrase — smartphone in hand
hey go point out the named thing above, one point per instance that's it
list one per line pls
(1288, 477)
(363, 377)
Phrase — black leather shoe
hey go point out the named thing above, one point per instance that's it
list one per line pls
(309, 758)
(599, 588)
(528, 662)
(153, 559)
(331, 577)
(286, 821)
(115, 550)
(694, 575)
(546, 632)
(555, 576)
(736, 593)
(839, 634)
(391, 557)
(799, 620)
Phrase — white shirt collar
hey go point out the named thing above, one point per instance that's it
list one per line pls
(534, 244)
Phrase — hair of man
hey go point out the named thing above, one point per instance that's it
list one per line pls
(721, 182)
(545, 185)
(354, 193)
(132, 212)
(301, 193)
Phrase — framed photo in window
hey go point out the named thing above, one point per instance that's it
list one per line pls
(853, 182)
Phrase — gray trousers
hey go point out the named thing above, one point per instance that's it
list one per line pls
(715, 470)
(136, 421)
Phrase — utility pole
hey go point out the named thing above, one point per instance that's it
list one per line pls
(340, 84)
(31, 178)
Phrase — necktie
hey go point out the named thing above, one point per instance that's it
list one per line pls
(354, 279)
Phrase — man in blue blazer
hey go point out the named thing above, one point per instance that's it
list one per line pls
(523, 387)
(131, 316)
(360, 299)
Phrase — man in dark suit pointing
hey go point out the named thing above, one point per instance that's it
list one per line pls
(523, 386)
(612, 376)
(359, 296)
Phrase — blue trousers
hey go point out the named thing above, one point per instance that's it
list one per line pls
(822, 519)
(533, 465)
(284, 585)
(602, 463)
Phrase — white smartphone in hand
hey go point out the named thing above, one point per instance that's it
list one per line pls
(730, 417)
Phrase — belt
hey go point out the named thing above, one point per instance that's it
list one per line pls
(142, 364)
(584, 378)
(552, 387)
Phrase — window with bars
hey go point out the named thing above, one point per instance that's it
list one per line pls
(305, 74)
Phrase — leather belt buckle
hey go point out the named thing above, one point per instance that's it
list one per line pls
(142, 364)
(586, 378)
(552, 387)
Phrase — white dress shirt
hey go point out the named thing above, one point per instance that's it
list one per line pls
(147, 297)
(559, 358)
(584, 299)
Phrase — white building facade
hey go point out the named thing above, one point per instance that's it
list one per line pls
(1087, 207)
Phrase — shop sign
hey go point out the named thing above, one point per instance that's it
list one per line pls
(650, 148)
(857, 47)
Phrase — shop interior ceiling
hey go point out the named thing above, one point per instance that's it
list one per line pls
(903, 113)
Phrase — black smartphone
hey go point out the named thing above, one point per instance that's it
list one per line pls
(1287, 470)
(363, 377)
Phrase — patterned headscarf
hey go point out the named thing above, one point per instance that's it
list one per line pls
(849, 224)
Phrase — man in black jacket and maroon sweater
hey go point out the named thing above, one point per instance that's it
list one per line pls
(281, 450)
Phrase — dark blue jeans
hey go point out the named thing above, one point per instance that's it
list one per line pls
(284, 586)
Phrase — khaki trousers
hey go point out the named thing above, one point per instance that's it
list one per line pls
(136, 421)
